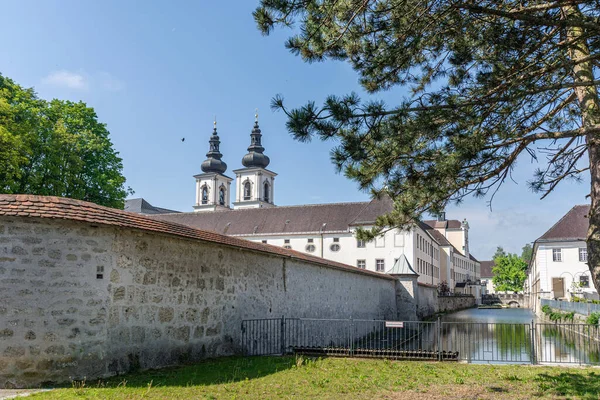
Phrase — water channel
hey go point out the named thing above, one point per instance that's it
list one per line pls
(516, 335)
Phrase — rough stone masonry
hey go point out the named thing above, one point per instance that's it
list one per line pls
(87, 291)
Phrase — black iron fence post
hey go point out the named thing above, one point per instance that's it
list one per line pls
(282, 335)
(439, 338)
(351, 337)
(533, 333)
(468, 343)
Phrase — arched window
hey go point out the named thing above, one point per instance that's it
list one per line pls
(267, 197)
(247, 190)
(204, 195)
(222, 196)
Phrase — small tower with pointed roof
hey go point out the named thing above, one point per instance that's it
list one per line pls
(254, 182)
(213, 186)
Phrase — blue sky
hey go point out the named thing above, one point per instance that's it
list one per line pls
(157, 72)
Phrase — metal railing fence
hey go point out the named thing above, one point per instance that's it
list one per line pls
(579, 308)
(474, 342)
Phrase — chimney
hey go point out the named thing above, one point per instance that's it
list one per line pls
(442, 216)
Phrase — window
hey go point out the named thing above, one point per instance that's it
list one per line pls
(311, 240)
(99, 272)
(310, 248)
(380, 241)
(362, 264)
(247, 190)
(557, 255)
(264, 241)
(584, 281)
(287, 246)
(360, 243)
(334, 247)
(222, 196)
(336, 240)
(286, 241)
(583, 254)
(204, 195)
(380, 265)
(266, 189)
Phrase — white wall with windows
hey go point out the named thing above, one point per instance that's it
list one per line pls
(377, 255)
(560, 270)
(427, 258)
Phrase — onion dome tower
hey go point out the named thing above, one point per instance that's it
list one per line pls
(213, 161)
(213, 186)
(255, 157)
(254, 182)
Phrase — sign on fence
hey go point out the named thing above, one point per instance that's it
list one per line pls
(394, 324)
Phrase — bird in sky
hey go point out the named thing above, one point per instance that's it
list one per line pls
(183, 139)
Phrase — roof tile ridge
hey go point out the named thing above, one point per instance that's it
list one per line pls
(313, 205)
(558, 222)
(270, 208)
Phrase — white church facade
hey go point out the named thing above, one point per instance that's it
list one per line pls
(435, 250)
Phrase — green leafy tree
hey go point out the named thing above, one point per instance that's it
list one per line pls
(56, 148)
(527, 253)
(499, 252)
(483, 83)
(509, 273)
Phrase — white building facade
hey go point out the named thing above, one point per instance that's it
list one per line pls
(559, 269)
(438, 251)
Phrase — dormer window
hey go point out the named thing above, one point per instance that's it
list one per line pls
(247, 190)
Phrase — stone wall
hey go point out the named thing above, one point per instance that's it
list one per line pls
(82, 300)
(455, 303)
(427, 301)
(430, 303)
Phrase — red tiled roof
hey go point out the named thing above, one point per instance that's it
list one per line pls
(448, 224)
(77, 210)
(486, 269)
(572, 226)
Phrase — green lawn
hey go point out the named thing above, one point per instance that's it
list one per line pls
(302, 378)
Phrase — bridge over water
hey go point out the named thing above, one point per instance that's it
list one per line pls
(516, 300)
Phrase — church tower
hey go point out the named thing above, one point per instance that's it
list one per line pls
(212, 186)
(254, 183)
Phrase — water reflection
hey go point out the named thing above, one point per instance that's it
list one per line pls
(517, 336)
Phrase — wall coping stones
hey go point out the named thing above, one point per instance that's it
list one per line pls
(32, 206)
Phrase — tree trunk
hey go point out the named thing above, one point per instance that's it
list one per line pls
(589, 104)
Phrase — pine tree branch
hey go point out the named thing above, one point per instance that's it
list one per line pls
(539, 21)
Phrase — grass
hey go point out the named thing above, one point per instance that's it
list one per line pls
(332, 378)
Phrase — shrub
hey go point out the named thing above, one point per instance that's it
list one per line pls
(555, 316)
(569, 316)
(576, 299)
(546, 309)
(593, 318)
